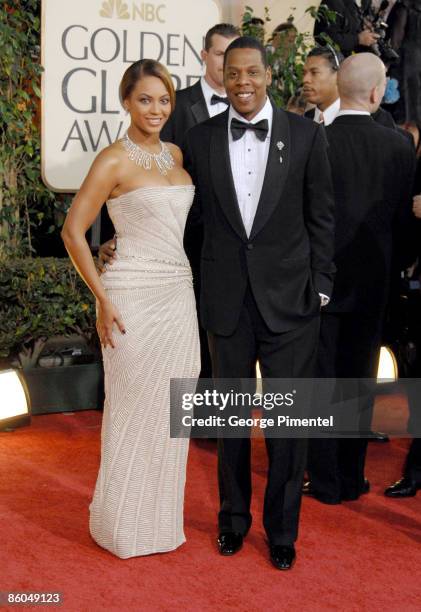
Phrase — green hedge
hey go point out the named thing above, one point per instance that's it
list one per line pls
(41, 298)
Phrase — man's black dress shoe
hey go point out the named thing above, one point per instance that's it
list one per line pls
(405, 487)
(307, 490)
(282, 556)
(378, 436)
(230, 543)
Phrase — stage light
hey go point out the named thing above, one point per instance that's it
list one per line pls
(14, 400)
(388, 367)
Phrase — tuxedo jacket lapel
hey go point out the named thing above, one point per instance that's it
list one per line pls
(222, 179)
(276, 171)
(198, 108)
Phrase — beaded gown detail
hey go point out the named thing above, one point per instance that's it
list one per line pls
(137, 507)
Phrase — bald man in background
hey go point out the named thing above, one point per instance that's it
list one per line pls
(373, 171)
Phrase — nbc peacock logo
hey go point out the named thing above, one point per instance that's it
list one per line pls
(115, 8)
(135, 10)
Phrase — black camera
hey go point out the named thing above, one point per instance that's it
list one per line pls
(382, 48)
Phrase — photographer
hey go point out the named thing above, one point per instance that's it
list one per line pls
(405, 30)
(349, 31)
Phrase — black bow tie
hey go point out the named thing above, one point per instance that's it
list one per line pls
(261, 128)
(216, 99)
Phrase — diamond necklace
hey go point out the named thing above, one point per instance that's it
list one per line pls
(163, 160)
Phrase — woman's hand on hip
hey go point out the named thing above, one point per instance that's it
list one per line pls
(106, 316)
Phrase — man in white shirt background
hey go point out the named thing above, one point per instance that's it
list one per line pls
(320, 84)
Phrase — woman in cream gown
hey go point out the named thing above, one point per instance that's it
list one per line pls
(146, 320)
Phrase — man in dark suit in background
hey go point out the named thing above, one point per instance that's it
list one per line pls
(207, 97)
(372, 171)
(410, 482)
(348, 30)
(320, 87)
(264, 196)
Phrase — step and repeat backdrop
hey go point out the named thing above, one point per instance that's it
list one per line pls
(86, 47)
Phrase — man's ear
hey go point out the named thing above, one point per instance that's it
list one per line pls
(374, 95)
(204, 55)
(268, 76)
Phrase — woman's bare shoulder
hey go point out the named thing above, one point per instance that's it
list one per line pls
(175, 152)
(111, 155)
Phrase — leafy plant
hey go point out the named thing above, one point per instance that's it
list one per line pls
(41, 298)
(24, 201)
(251, 26)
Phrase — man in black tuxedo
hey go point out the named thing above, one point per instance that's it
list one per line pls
(348, 31)
(372, 171)
(264, 196)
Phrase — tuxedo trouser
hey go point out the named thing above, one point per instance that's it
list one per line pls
(349, 347)
(412, 468)
(285, 355)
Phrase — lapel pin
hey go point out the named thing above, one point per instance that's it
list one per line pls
(280, 146)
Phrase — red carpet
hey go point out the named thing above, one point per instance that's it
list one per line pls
(363, 555)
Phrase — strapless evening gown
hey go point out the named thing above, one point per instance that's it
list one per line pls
(137, 507)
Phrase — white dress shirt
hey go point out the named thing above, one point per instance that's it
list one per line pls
(329, 114)
(249, 157)
(208, 92)
(352, 112)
